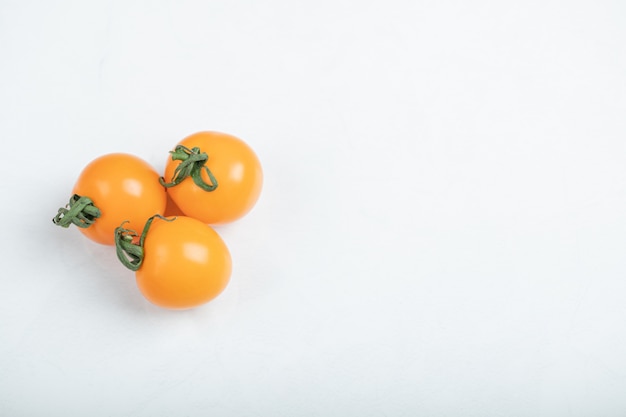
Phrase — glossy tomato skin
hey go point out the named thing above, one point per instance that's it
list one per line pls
(237, 170)
(186, 264)
(124, 188)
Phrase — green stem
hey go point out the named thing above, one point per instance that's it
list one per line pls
(192, 163)
(80, 211)
(131, 254)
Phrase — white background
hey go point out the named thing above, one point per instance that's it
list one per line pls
(442, 228)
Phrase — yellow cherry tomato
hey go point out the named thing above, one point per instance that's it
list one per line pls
(122, 187)
(184, 262)
(232, 164)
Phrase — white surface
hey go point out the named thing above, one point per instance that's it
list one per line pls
(441, 232)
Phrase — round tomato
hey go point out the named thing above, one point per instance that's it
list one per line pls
(182, 262)
(122, 187)
(230, 171)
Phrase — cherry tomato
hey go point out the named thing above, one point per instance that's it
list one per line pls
(235, 167)
(185, 263)
(124, 188)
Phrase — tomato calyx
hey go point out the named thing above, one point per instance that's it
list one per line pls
(128, 252)
(80, 211)
(192, 163)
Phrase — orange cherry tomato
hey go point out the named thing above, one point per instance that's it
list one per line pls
(124, 188)
(185, 263)
(237, 170)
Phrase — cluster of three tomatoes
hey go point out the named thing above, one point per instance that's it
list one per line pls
(161, 225)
